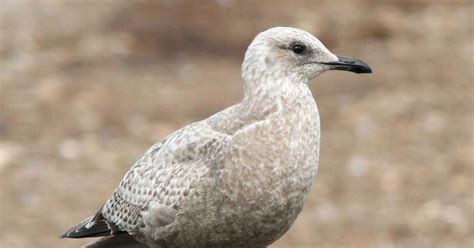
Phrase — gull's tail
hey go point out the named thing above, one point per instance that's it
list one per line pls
(94, 226)
(98, 226)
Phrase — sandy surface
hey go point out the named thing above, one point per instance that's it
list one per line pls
(87, 86)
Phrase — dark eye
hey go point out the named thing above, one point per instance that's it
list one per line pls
(298, 48)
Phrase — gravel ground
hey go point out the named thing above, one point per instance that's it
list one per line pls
(87, 86)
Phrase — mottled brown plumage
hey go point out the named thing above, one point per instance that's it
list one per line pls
(238, 178)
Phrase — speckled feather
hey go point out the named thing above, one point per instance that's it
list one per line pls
(240, 177)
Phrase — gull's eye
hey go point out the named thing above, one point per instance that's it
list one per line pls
(298, 48)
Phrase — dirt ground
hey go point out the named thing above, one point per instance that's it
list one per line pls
(87, 86)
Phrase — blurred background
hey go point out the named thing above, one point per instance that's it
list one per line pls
(87, 86)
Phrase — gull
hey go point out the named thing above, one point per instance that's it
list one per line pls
(238, 178)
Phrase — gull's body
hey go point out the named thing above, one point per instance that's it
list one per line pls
(238, 178)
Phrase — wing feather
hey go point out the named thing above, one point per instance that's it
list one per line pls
(163, 175)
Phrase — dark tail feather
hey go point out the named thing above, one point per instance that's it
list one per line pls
(119, 241)
(94, 226)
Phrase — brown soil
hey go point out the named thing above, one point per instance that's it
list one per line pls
(87, 86)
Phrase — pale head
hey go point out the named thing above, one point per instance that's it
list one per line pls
(292, 54)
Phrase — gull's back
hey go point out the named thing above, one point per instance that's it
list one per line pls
(236, 179)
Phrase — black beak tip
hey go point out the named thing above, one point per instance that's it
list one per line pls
(363, 69)
(350, 64)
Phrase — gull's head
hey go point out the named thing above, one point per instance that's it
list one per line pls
(295, 54)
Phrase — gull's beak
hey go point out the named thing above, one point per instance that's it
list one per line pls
(349, 64)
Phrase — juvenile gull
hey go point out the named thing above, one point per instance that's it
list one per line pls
(238, 178)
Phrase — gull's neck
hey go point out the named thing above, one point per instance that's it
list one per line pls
(284, 96)
(266, 92)
(263, 99)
